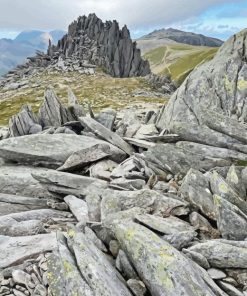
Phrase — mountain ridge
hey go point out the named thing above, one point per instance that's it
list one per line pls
(15, 51)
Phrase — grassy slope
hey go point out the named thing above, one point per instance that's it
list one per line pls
(178, 60)
(101, 91)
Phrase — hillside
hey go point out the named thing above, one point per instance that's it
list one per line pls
(178, 60)
(99, 90)
(169, 36)
(14, 52)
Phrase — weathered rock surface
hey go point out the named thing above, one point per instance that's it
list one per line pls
(50, 150)
(110, 47)
(212, 99)
(165, 271)
(14, 250)
(184, 233)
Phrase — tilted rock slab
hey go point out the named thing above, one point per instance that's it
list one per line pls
(211, 103)
(163, 269)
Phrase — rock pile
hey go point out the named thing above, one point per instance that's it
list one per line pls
(111, 204)
(103, 204)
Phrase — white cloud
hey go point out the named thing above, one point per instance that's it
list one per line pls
(137, 14)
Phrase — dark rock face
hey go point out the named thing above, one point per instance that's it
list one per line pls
(102, 44)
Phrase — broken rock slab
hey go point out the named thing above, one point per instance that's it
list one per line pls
(15, 250)
(84, 157)
(195, 190)
(19, 180)
(50, 150)
(66, 183)
(106, 134)
(223, 253)
(163, 269)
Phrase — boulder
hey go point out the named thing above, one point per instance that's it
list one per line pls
(50, 150)
(165, 271)
(210, 106)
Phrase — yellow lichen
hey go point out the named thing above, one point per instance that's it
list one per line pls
(223, 187)
(242, 85)
(71, 233)
(67, 266)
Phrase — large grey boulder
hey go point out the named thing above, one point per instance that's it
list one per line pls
(223, 253)
(50, 150)
(19, 180)
(163, 269)
(212, 100)
(15, 250)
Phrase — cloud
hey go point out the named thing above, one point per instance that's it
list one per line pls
(137, 14)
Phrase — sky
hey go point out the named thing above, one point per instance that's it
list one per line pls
(216, 18)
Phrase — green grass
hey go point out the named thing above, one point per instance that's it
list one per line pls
(100, 91)
(178, 61)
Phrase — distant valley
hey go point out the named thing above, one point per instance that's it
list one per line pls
(14, 52)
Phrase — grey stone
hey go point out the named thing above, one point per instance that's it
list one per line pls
(216, 274)
(223, 254)
(50, 150)
(18, 180)
(231, 221)
(165, 271)
(195, 190)
(14, 250)
(137, 287)
(106, 134)
(78, 207)
(84, 157)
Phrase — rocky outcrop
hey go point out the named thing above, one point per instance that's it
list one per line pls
(90, 40)
(140, 211)
(210, 107)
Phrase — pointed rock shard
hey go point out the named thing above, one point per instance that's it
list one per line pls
(100, 275)
(64, 276)
(78, 207)
(51, 113)
(74, 108)
(163, 269)
(195, 190)
(104, 133)
(220, 187)
(231, 221)
(22, 123)
(84, 157)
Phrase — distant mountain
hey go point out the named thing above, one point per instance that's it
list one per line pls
(169, 36)
(14, 52)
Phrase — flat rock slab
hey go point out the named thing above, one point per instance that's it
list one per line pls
(66, 183)
(18, 180)
(14, 204)
(50, 150)
(14, 250)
